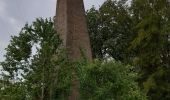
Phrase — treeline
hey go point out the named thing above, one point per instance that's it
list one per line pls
(131, 50)
(135, 33)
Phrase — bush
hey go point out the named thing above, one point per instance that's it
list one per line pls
(108, 80)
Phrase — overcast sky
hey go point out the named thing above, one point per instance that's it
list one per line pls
(15, 13)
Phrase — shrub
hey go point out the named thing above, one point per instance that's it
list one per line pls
(108, 80)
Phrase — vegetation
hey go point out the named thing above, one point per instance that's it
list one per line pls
(35, 74)
(152, 46)
(111, 30)
(107, 80)
(47, 73)
(138, 34)
(131, 51)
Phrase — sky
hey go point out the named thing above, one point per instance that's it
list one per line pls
(15, 13)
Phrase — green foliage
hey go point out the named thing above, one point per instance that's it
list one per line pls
(108, 80)
(45, 74)
(110, 30)
(137, 34)
(152, 46)
(11, 91)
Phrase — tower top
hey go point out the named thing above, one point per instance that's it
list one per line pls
(72, 27)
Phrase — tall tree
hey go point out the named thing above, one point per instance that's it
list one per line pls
(110, 30)
(153, 46)
(32, 63)
(137, 33)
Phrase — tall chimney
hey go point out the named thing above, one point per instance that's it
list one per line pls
(70, 22)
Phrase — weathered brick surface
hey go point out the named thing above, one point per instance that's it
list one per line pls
(70, 22)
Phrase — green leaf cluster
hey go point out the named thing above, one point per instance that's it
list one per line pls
(36, 66)
(108, 80)
(135, 32)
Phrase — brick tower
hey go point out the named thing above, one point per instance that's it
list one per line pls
(70, 23)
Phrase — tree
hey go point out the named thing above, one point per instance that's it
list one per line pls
(108, 80)
(152, 46)
(137, 33)
(111, 30)
(35, 74)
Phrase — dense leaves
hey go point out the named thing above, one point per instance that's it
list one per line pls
(110, 30)
(35, 75)
(136, 33)
(153, 46)
(109, 80)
